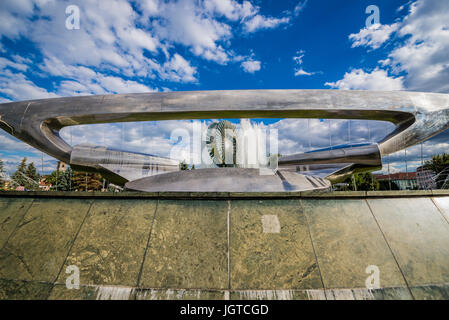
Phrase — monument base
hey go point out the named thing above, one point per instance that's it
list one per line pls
(229, 180)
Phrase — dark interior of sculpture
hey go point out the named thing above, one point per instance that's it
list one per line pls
(417, 117)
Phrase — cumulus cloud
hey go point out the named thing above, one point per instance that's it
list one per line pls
(231, 9)
(197, 25)
(12, 15)
(186, 23)
(6, 63)
(120, 47)
(261, 22)
(18, 87)
(108, 37)
(377, 79)
(373, 36)
(178, 69)
(302, 72)
(251, 66)
(130, 39)
(421, 55)
(83, 80)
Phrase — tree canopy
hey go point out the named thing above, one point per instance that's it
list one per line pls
(87, 181)
(362, 182)
(26, 176)
(61, 180)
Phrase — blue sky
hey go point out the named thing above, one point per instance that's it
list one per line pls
(140, 46)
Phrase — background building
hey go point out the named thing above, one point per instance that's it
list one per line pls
(425, 178)
(402, 180)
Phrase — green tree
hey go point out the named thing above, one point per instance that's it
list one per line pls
(439, 164)
(362, 182)
(61, 180)
(32, 183)
(19, 177)
(183, 165)
(388, 185)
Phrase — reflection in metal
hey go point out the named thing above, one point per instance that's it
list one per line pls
(417, 116)
(127, 165)
(369, 132)
(406, 168)
(349, 133)
(389, 177)
(422, 159)
(308, 134)
(221, 142)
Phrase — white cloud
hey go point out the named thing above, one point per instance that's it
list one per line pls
(299, 71)
(110, 38)
(6, 63)
(198, 25)
(10, 143)
(373, 36)
(117, 43)
(423, 42)
(83, 80)
(231, 9)
(18, 87)
(178, 69)
(423, 56)
(186, 23)
(131, 39)
(12, 15)
(302, 72)
(251, 66)
(261, 22)
(300, 7)
(358, 79)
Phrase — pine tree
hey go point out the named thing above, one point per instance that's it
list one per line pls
(61, 180)
(19, 177)
(183, 165)
(33, 182)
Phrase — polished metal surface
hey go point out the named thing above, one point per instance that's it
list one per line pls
(121, 164)
(418, 116)
(347, 159)
(228, 180)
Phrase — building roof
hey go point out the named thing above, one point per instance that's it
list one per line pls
(397, 176)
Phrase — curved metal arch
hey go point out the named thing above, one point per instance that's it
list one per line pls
(418, 116)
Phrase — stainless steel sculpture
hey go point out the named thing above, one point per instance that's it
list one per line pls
(417, 116)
